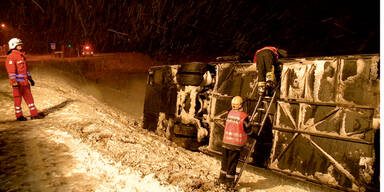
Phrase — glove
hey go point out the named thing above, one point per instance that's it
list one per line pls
(32, 82)
(270, 76)
(261, 88)
(15, 84)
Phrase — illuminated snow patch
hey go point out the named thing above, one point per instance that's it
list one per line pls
(108, 175)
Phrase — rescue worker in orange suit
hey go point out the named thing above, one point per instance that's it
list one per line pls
(267, 66)
(237, 129)
(20, 79)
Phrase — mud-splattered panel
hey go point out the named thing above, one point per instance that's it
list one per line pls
(324, 143)
(236, 79)
(349, 123)
(309, 80)
(287, 115)
(332, 162)
(342, 80)
(358, 81)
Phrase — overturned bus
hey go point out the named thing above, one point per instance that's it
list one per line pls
(324, 126)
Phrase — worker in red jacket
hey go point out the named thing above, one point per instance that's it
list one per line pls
(237, 129)
(19, 75)
(266, 60)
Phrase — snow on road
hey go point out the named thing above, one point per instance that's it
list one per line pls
(85, 145)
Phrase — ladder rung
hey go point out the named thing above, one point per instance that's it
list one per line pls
(267, 98)
(255, 123)
(260, 109)
(263, 110)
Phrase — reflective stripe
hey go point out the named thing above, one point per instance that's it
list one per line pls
(238, 140)
(233, 119)
(29, 74)
(33, 108)
(18, 111)
(19, 61)
(234, 134)
(18, 107)
(223, 172)
(30, 104)
(20, 79)
(12, 75)
(20, 75)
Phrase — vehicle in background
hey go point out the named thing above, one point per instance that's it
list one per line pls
(87, 50)
(324, 128)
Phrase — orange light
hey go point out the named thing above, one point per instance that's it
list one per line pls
(2, 25)
(86, 47)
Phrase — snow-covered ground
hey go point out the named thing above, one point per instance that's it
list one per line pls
(84, 144)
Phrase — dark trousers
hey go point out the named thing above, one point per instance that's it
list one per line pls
(265, 59)
(228, 165)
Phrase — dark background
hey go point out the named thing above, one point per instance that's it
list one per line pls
(196, 28)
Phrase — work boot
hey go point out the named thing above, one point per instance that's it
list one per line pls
(21, 118)
(230, 187)
(39, 116)
(222, 179)
(229, 182)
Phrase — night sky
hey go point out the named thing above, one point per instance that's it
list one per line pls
(196, 28)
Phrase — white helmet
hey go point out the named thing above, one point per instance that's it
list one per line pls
(237, 103)
(14, 42)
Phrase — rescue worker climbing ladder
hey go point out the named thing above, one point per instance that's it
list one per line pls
(266, 60)
(19, 76)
